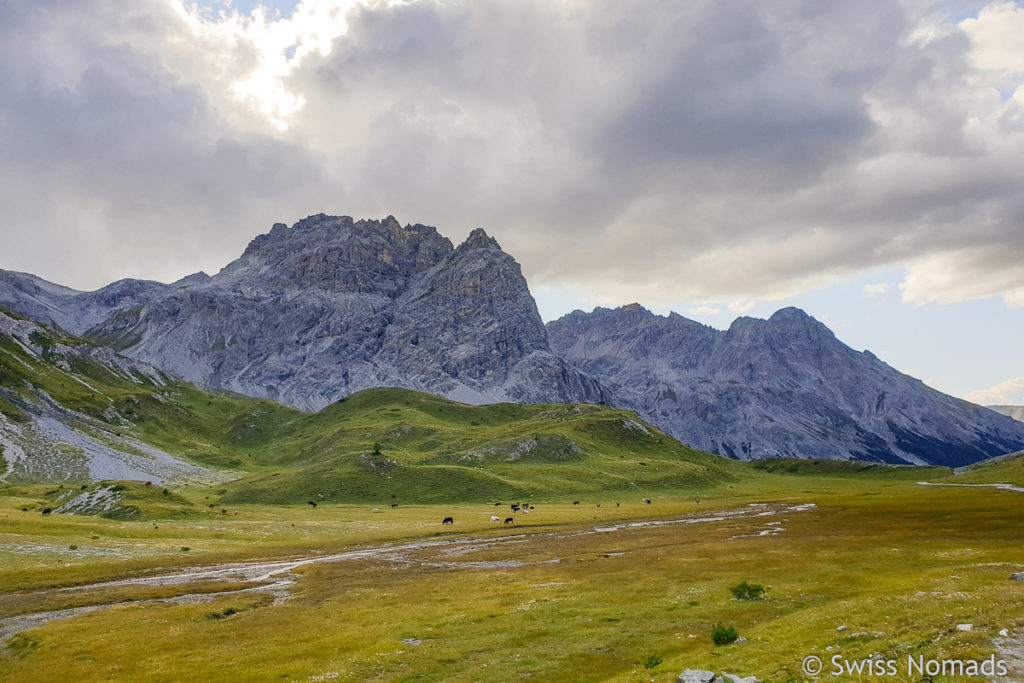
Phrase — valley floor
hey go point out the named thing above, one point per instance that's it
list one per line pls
(567, 593)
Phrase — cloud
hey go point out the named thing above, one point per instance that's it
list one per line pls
(704, 310)
(877, 289)
(1010, 392)
(659, 152)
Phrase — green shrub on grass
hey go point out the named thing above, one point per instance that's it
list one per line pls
(652, 660)
(723, 635)
(748, 591)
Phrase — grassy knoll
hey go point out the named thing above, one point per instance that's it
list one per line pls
(1008, 469)
(897, 564)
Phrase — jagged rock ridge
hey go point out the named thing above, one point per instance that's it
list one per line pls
(330, 306)
(782, 387)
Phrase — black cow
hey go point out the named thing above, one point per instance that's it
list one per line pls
(515, 507)
(448, 520)
(575, 502)
(394, 505)
(509, 520)
(311, 503)
(47, 511)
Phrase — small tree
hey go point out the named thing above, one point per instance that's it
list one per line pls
(723, 635)
(748, 591)
(376, 447)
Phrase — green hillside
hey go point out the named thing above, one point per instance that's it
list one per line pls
(384, 445)
(379, 445)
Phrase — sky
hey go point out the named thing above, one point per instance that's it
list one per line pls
(713, 159)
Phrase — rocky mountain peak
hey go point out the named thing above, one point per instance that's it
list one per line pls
(479, 239)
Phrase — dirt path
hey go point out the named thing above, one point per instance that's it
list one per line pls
(1004, 487)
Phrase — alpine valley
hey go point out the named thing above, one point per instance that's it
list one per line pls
(331, 306)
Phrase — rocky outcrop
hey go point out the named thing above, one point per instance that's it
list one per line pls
(782, 387)
(330, 306)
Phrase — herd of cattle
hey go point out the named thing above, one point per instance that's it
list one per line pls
(525, 508)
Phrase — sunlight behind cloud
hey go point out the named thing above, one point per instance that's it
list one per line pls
(273, 46)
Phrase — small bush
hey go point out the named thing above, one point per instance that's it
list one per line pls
(376, 447)
(723, 635)
(748, 591)
(652, 660)
(72, 547)
(185, 548)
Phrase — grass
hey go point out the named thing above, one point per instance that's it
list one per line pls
(898, 565)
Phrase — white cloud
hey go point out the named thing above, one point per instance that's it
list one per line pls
(1010, 392)
(876, 289)
(704, 310)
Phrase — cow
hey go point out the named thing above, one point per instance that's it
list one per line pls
(509, 520)
(525, 511)
(47, 511)
(394, 505)
(310, 503)
(575, 502)
(495, 518)
(223, 511)
(598, 505)
(515, 507)
(149, 483)
(448, 520)
(617, 504)
(646, 500)
(497, 505)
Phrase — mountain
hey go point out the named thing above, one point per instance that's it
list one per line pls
(69, 411)
(313, 313)
(782, 387)
(330, 306)
(1016, 412)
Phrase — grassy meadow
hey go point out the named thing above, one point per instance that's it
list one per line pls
(566, 594)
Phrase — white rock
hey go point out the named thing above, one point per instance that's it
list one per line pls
(964, 627)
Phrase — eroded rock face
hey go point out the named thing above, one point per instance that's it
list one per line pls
(782, 387)
(312, 313)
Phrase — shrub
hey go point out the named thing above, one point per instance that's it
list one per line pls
(723, 635)
(652, 660)
(748, 591)
(376, 447)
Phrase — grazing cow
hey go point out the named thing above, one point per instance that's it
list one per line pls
(223, 511)
(394, 505)
(646, 500)
(515, 507)
(525, 511)
(310, 503)
(149, 483)
(448, 520)
(47, 511)
(509, 520)
(495, 519)
(497, 505)
(617, 505)
(598, 505)
(575, 502)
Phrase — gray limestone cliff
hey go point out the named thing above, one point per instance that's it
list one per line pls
(782, 387)
(312, 313)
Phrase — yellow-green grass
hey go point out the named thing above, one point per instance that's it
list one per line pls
(899, 565)
(1008, 469)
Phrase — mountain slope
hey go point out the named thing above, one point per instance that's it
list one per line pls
(1016, 412)
(782, 387)
(67, 411)
(332, 306)
(74, 411)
